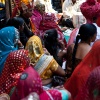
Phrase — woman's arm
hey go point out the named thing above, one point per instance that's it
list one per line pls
(60, 71)
(47, 81)
(56, 69)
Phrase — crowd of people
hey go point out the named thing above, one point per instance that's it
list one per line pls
(36, 61)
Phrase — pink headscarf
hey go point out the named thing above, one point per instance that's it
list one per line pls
(29, 82)
(90, 9)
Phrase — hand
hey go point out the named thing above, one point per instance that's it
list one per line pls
(60, 87)
(20, 45)
(61, 44)
(46, 51)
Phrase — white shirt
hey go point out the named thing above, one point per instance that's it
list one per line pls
(69, 9)
(98, 31)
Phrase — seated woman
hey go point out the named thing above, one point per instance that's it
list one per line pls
(76, 52)
(30, 86)
(9, 41)
(44, 21)
(55, 47)
(15, 64)
(24, 8)
(91, 89)
(18, 23)
(45, 65)
(78, 78)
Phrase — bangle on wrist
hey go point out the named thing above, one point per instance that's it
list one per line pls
(21, 47)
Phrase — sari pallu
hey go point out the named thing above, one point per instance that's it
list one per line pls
(42, 64)
(91, 89)
(36, 19)
(7, 44)
(82, 71)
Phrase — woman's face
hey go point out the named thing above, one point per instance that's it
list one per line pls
(28, 13)
(21, 28)
(42, 10)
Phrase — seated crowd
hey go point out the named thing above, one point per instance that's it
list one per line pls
(36, 60)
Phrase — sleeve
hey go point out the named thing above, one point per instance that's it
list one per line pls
(65, 10)
(65, 95)
(54, 65)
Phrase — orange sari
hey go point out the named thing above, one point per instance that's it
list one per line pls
(82, 71)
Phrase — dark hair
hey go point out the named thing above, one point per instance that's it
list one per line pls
(86, 31)
(16, 22)
(51, 35)
(51, 43)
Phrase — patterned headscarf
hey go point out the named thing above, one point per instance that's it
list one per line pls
(90, 9)
(15, 64)
(7, 43)
(34, 46)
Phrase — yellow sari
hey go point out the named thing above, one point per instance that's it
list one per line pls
(45, 64)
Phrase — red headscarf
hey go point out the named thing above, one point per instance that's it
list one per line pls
(90, 9)
(29, 82)
(91, 90)
(15, 64)
(82, 71)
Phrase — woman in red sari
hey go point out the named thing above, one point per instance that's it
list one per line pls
(15, 64)
(91, 90)
(78, 78)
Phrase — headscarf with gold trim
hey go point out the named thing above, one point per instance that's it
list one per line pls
(34, 46)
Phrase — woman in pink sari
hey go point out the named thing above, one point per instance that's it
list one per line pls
(44, 21)
(37, 18)
(30, 85)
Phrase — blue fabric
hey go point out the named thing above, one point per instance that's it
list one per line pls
(7, 36)
(64, 94)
